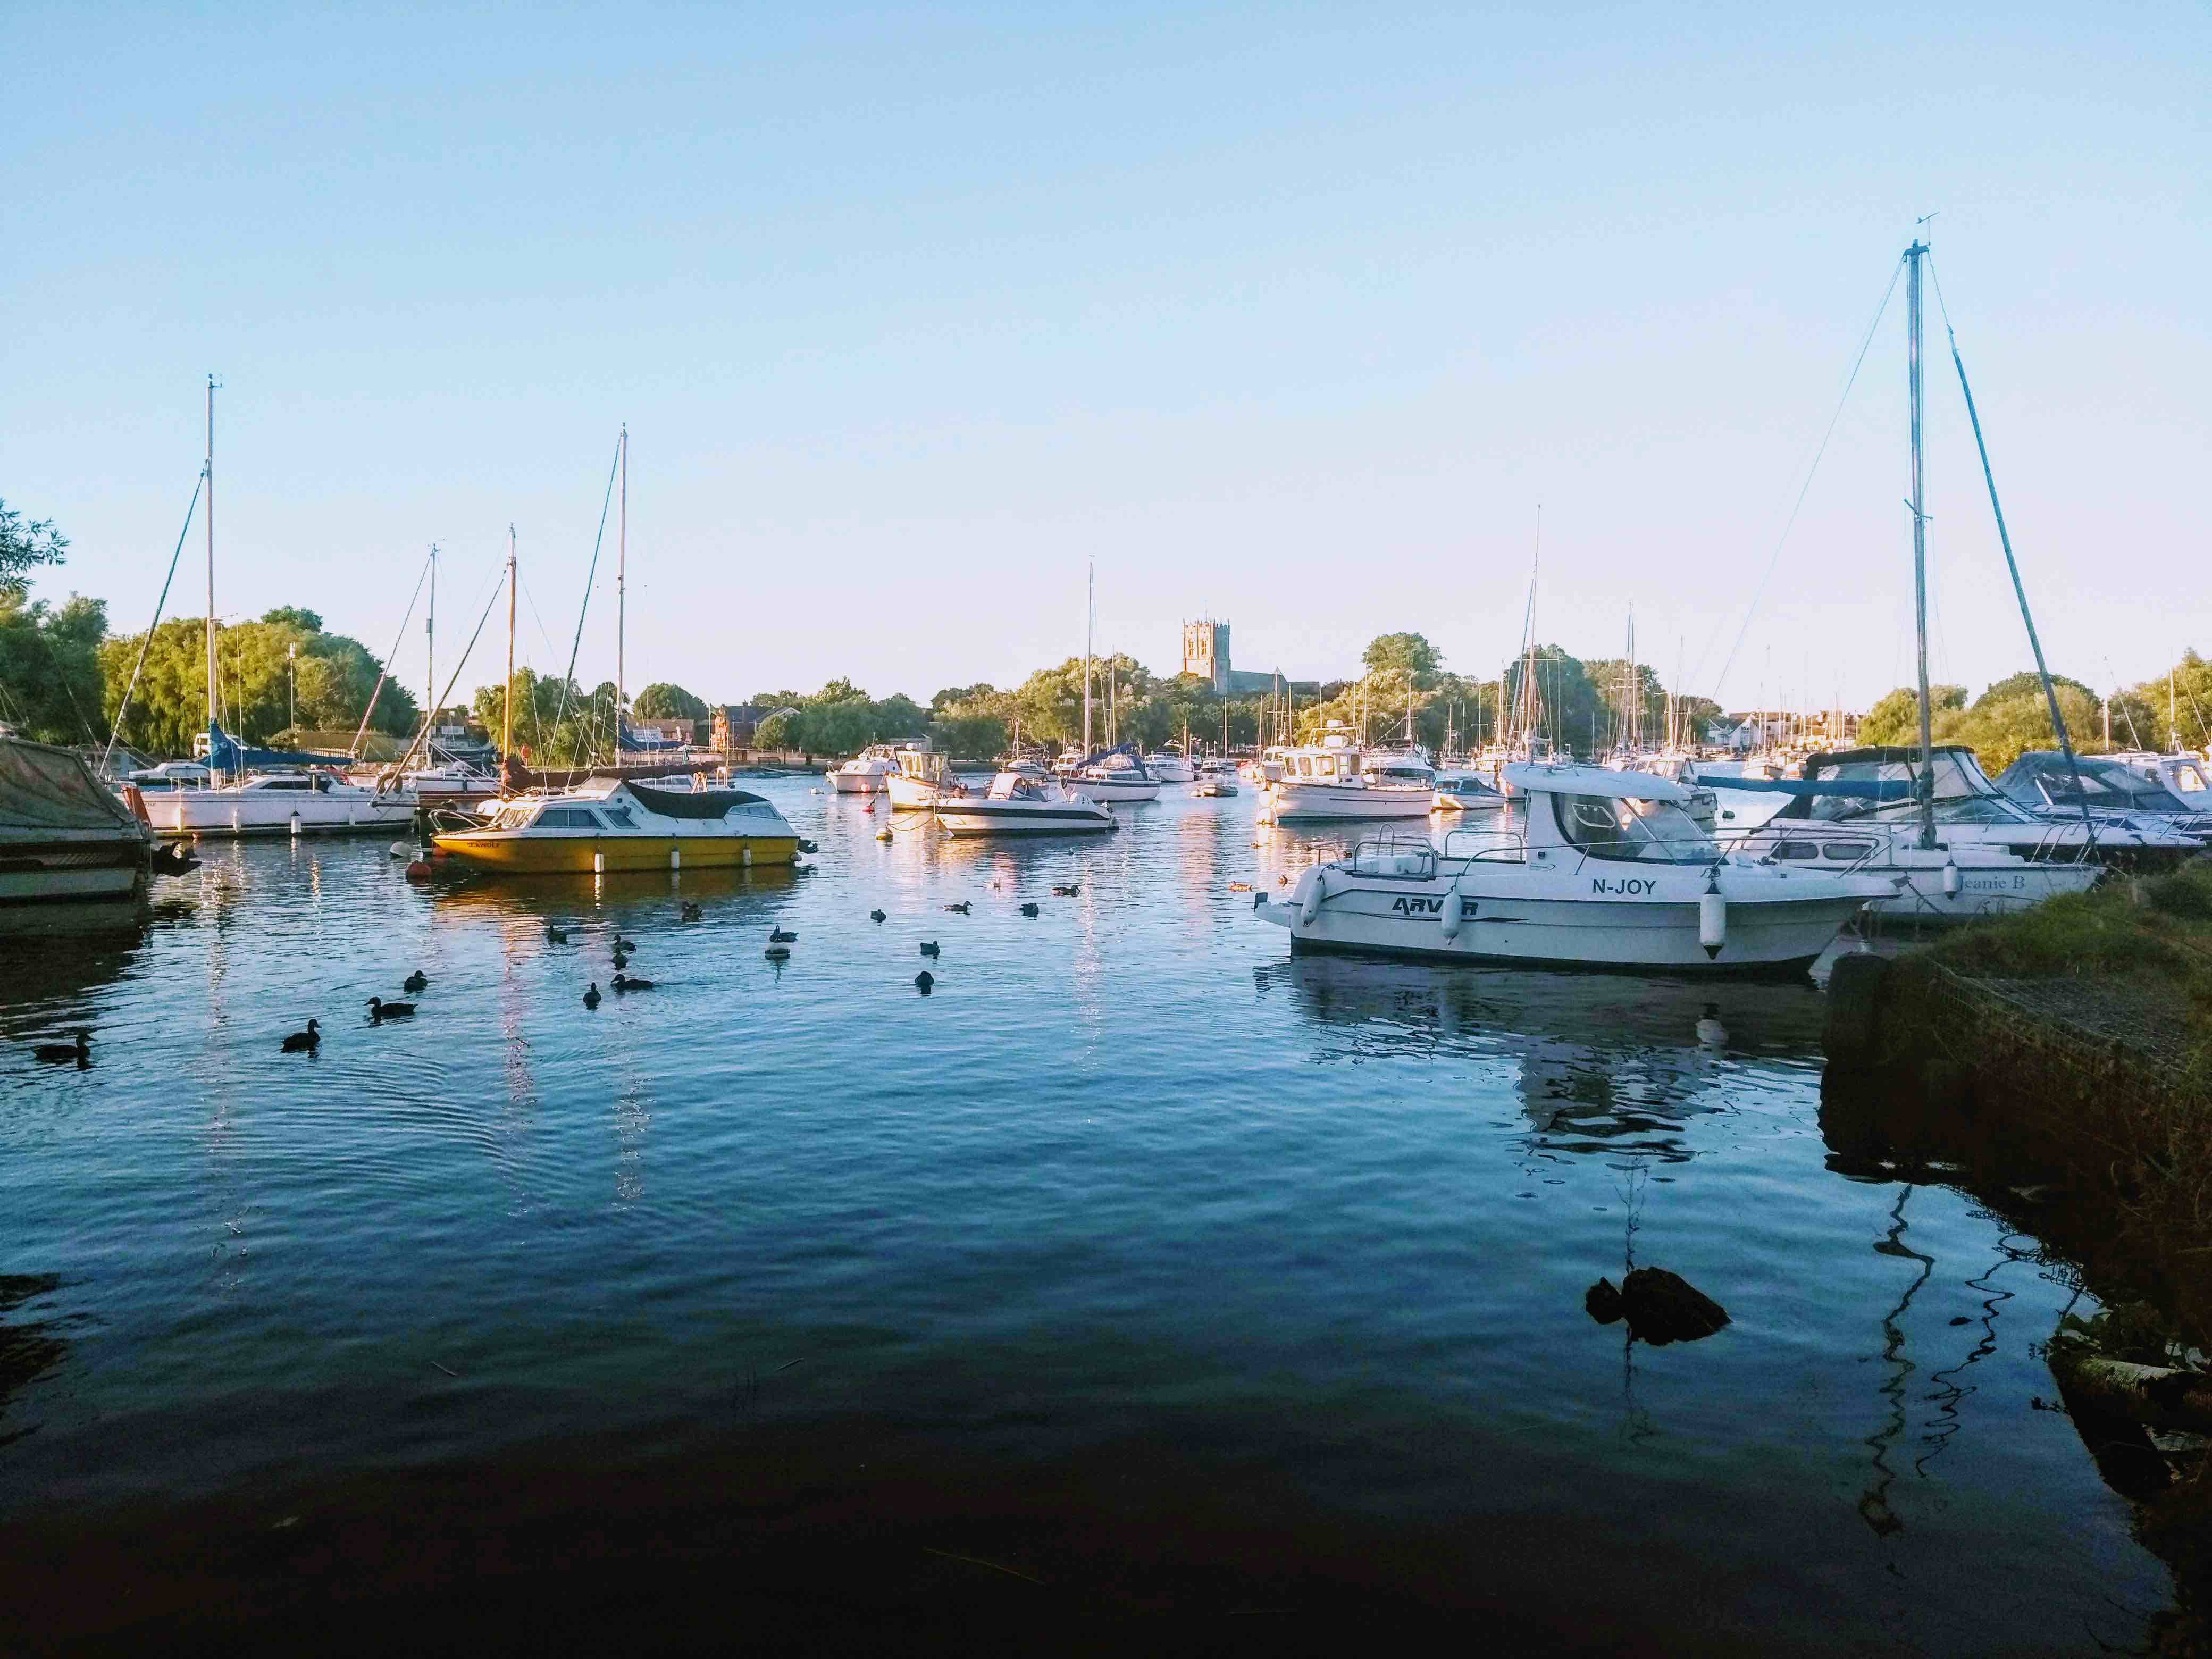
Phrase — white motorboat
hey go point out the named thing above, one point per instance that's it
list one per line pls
(1467, 791)
(2111, 792)
(1331, 779)
(456, 783)
(1593, 869)
(1703, 805)
(868, 773)
(280, 803)
(1216, 779)
(1876, 788)
(2186, 774)
(924, 777)
(1117, 775)
(1951, 881)
(1169, 766)
(1017, 805)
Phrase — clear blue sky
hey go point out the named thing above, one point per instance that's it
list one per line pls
(1290, 315)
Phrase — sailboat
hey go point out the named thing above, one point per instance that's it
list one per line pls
(1925, 816)
(613, 823)
(273, 792)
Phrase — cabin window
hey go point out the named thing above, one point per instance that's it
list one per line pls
(2189, 778)
(1325, 767)
(619, 816)
(1650, 832)
(1844, 852)
(286, 783)
(567, 818)
(1798, 849)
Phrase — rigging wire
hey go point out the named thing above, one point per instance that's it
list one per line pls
(590, 575)
(385, 673)
(147, 644)
(1804, 490)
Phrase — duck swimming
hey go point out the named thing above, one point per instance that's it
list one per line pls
(877, 915)
(929, 949)
(379, 1009)
(689, 911)
(65, 1053)
(1028, 909)
(592, 996)
(623, 983)
(415, 983)
(556, 935)
(777, 936)
(923, 981)
(1066, 889)
(303, 1043)
(960, 908)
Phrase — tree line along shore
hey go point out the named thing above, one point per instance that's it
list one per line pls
(64, 673)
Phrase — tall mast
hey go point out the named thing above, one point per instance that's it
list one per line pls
(212, 695)
(1920, 555)
(506, 716)
(430, 648)
(622, 574)
(1089, 613)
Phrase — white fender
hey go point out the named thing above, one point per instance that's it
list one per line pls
(1449, 922)
(1317, 890)
(1950, 879)
(1712, 918)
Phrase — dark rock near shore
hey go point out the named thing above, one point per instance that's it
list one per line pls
(1663, 1307)
(1602, 1302)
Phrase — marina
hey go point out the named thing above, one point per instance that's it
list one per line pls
(510, 1223)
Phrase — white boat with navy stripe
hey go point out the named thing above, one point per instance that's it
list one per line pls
(1592, 868)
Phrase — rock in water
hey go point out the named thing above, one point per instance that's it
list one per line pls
(1663, 1307)
(1602, 1302)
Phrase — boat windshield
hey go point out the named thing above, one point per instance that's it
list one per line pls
(1646, 831)
(2105, 785)
(1961, 796)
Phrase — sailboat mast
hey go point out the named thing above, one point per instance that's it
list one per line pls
(1089, 615)
(622, 576)
(507, 715)
(1920, 555)
(430, 648)
(213, 695)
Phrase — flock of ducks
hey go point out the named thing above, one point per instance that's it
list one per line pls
(308, 1040)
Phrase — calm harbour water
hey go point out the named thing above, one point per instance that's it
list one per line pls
(1130, 1176)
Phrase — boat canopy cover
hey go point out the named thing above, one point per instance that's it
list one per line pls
(44, 789)
(648, 742)
(226, 754)
(1859, 788)
(1136, 760)
(2042, 774)
(1539, 778)
(682, 803)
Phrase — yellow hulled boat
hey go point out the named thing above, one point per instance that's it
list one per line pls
(611, 824)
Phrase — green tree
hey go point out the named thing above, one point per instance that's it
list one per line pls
(336, 676)
(1394, 654)
(51, 688)
(663, 702)
(2187, 691)
(2027, 684)
(24, 548)
(1896, 718)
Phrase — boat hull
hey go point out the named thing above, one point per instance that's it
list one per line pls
(61, 875)
(1553, 920)
(990, 817)
(915, 795)
(222, 812)
(858, 783)
(1292, 802)
(526, 854)
(1105, 790)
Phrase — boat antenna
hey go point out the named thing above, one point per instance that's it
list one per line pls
(1926, 785)
(2019, 589)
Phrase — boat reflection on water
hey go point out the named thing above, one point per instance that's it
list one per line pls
(1603, 1062)
(29, 1348)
